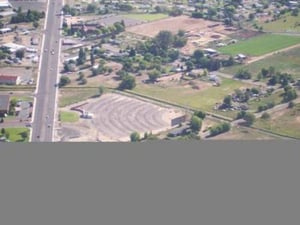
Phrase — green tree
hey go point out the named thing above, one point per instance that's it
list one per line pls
(153, 75)
(7, 135)
(128, 82)
(2, 131)
(164, 39)
(227, 100)
(81, 57)
(249, 118)
(24, 135)
(200, 114)
(20, 53)
(134, 137)
(196, 123)
(64, 80)
(100, 90)
(265, 116)
(35, 24)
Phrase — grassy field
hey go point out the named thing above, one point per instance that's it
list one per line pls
(242, 133)
(69, 117)
(146, 16)
(284, 123)
(260, 45)
(15, 134)
(287, 23)
(186, 96)
(70, 96)
(288, 61)
(276, 98)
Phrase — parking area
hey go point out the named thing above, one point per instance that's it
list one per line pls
(116, 116)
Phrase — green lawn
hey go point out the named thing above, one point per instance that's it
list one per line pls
(186, 96)
(286, 24)
(288, 61)
(286, 124)
(146, 16)
(70, 117)
(15, 134)
(261, 45)
(70, 96)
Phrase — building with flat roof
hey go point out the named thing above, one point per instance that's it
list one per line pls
(5, 4)
(9, 80)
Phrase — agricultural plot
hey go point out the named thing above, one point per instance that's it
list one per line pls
(286, 24)
(288, 62)
(261, 45)
(284, 122)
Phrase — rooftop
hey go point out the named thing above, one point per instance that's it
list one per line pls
(4, 102)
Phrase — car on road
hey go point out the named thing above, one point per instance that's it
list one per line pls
(49, 125)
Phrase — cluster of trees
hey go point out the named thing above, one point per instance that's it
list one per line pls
(247, 116)
(64, 80)
(241, 96)
(243, 74)
(266, 106)
(29, 16)
(175, 11)
(281, 78)
(199, 60)
(289, 94)
(219, 129)
(67, 9)
(163, 44)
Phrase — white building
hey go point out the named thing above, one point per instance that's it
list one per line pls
(5, 4)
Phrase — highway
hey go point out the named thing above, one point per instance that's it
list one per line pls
(44, 114)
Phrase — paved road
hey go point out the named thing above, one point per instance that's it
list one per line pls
(45, 101)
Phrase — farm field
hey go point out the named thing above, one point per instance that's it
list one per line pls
(197, 99)
(288, 61)
(146, 16)
(285, 122)
(261, 45)
(286, 24)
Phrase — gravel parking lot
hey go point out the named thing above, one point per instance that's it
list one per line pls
(117, 116)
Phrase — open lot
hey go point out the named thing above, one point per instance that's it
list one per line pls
(288, 61)
(24, 73)
(116, 117)
(183, 94)
(199, 31)
(146, 16)
(261, 45)
(285, 122)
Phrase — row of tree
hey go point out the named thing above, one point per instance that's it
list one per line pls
(29, 16)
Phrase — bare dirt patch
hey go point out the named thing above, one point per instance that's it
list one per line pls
(200, 32)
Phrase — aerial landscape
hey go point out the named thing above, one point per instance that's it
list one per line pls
(137, 70)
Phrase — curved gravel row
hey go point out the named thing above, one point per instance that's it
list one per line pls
(117, 116)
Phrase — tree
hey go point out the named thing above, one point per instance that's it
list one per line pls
(291, 104)
(64, 80)
(265, 116)
(227, 100)
(134, 137)
(24, 135)
(200, 114)
(153, 75)
(100, 90)
(128, 82)
(92, 58)
(164, 39)
(35, 24)
(20, 53)
(2, 131)
(196, 124)
(189, 65)
(81, 57)
(249, 118)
